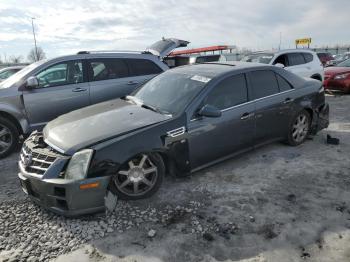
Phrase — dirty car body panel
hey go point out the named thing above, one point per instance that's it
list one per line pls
(117, 130)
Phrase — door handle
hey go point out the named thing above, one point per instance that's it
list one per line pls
(79, 89)
(246, 116)
(132, 83)
(288, 100)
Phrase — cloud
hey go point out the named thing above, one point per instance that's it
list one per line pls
(67, 26)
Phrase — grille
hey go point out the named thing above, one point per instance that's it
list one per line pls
(38, 163)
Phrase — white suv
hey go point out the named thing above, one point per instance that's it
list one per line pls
(301, 62)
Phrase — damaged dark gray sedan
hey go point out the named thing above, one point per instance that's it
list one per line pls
(179, 122)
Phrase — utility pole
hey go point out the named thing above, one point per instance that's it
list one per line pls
(36, 49)
(279, 46)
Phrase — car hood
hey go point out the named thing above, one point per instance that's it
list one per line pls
(85, 127)
(336, 70)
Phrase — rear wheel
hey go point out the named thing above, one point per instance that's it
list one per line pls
(139, 178)
(299, 129)
(9, 136)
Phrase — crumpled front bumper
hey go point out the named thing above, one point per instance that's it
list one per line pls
(64, 197)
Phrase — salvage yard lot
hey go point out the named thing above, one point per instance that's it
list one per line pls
(277, 203)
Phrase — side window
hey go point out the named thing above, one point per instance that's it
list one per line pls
(229, 92)
(107, 68)
(264, 83)
(65, 73)
(295, 59)
(308, 57)
(140, 67)
(283, 84)
(282, 59)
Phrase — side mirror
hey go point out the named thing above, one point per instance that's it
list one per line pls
(32, 82)
(280, 65)
(209, 111)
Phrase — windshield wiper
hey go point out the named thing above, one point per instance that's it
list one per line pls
(155, 109)
(151, 108)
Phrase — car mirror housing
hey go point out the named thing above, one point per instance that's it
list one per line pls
(209, 111)
(32, 82)
(280, 65)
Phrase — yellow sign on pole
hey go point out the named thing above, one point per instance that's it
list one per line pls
(303, 41)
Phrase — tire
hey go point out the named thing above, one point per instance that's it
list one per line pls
(299, 131)
(133, 172)
(9, 137)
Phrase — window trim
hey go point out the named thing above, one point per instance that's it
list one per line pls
(57, 63)
(279, 88)
(246, 103)
(246, 86)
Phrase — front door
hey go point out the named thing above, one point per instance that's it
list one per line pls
(61, 89)
(213, 138)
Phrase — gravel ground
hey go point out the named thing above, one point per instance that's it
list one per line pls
(277, 203)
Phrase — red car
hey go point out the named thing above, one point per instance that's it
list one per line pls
(338, 77)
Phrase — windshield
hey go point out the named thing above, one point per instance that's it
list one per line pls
(264, 58)
(18, 76)
(345, 63)
(171, 92)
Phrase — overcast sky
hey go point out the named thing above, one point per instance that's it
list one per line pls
(66, 26)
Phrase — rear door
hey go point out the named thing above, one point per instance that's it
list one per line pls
(62, 88)
(213, 138)
(272, 107)
(112, 78)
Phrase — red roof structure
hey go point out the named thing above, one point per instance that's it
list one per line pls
(200, 50)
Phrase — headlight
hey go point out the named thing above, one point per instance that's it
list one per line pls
(342, 76)
(79, 164)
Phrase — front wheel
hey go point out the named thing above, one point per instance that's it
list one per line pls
(139, 178)
(299, 129)
(9, 137)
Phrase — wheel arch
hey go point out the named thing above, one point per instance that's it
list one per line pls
(13, 119)
(317, 77)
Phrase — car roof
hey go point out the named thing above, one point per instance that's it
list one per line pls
(13, 67)
(214, 69)
(282, 51)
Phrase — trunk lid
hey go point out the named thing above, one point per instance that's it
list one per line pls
(165, 46)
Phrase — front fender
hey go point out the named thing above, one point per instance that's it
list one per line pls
(14, 113)
(110, 155)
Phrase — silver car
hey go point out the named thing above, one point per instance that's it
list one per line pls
(9, 71)
(47, 89)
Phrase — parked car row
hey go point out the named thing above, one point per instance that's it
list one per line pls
(118, 121)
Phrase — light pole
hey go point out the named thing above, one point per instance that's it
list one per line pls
(36, 49)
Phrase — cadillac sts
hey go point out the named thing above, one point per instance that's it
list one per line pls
(180, 121)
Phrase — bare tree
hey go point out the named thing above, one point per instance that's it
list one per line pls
(16, 59)
(36, 55)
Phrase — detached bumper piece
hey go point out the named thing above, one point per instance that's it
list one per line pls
(42, 179)
(321, 121)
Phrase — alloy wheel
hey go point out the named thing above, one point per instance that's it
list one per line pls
(300, 128)
(138, 177)
(5, 138)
